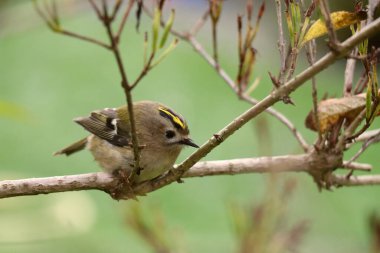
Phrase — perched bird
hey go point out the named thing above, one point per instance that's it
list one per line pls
(161, 134)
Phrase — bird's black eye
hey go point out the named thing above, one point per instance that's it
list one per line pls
(169, 134)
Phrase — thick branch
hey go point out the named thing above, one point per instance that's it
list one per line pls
(45, 185)
(105, 182)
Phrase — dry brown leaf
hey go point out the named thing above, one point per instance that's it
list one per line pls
(339, 19)
(332, 111)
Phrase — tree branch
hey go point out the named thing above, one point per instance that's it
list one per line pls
(366, 144)
(84, 38)
(342, 180)
(124, 19)
(325, 10)
(268, 101)
(368, 135)
(105, 182)
(349, 75)
(356, 166)
(281, 41)
(45, 185)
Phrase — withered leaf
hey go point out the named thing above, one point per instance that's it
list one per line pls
(339, 19)
(332, 111)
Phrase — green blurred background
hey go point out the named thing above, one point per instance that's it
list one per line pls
(46, 80)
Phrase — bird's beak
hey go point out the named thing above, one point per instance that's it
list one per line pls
(189, 142)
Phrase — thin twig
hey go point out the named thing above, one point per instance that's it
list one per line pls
(215, 8)
(291, 64)
(215, 44)
(127, 90)
(361, 84)
(333, 40)
(124, 19)
(281, 41)
(356, 166)
(367, 135)
(342, 180)
(362, 130)
(349, 75)
(116, 8)
(283, 119)
(350, 130)
(96, 9)
(143, 72)
(311, 54)
(47, 18)
(52, 20)
(201, 51)
(200, 23)
(84, 38)
(366, 144)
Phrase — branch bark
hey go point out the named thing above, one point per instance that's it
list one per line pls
(105, 182)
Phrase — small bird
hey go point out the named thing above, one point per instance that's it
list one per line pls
(161, 134)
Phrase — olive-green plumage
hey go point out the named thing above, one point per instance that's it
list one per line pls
(160, 132)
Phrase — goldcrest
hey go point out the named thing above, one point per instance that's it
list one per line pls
(161, 134)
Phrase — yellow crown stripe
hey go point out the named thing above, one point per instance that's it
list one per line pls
(175, 118)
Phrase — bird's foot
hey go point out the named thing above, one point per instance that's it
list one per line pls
(124, 187)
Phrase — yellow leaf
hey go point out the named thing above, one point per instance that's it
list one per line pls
(339, 19)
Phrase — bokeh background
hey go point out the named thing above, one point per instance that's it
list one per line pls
(46, 80)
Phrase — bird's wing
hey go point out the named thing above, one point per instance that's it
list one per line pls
(105, 124)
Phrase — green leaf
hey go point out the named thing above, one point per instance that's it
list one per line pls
(155, 28)
(290, 28)
(165, 53)
(167, 28)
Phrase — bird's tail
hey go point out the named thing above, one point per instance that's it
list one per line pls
(75, 147)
